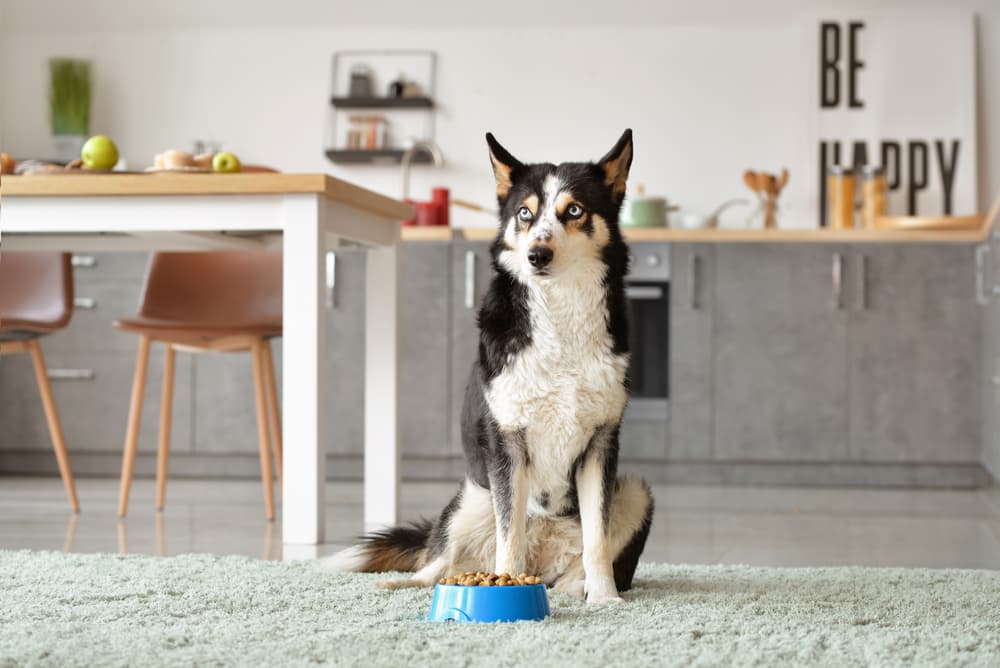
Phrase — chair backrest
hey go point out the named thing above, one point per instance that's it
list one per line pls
(221, 288)
(36, 290)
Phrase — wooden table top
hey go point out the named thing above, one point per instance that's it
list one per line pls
(171, 183)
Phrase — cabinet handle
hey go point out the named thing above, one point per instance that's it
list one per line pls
(838, 281)
(86, 261)
(88, 303)
(70, 374)
(981, 297)
(643, 292)
(694, 267)
(863, 283)
(331, 279)
(470, 279)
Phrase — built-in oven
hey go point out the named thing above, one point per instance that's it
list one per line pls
(647, 291)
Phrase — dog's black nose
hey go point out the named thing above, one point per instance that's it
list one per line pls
(539, 256)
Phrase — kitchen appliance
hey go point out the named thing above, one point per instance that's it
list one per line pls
(647, 291)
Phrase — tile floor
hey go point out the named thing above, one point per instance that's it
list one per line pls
(693, 524)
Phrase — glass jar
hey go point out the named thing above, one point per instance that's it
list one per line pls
(873, 195)
(840, 187)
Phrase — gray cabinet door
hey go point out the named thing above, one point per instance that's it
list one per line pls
(780, 371)
(423, 348)
(990, 360)
(915, 354)
(93, 409)
(345, 356)
(470, 276)
(692, 295)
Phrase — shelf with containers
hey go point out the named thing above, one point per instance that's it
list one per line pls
(380, 104)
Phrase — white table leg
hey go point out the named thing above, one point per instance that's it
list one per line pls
(303, 499)
(381, 388)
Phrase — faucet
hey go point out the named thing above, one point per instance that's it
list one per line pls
(428, 147)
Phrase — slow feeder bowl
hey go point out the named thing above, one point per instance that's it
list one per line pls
(463, 603)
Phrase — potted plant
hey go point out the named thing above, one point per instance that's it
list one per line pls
(69, 105)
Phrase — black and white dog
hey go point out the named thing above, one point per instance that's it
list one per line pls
(544, 401)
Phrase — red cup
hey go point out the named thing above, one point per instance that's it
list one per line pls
(428, 213)
(440, 197)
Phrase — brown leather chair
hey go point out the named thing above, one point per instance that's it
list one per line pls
(36, 298)
(207, 302)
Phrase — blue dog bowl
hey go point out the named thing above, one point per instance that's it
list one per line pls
(460, 603)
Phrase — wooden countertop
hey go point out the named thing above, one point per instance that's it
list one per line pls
(166, 184)
(814, 235)
(666, 234)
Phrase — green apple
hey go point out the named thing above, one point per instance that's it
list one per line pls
(99, 153)
(226, 163)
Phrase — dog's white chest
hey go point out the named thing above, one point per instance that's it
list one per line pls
(563, 385)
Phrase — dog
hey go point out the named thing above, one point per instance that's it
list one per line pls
(544, 401)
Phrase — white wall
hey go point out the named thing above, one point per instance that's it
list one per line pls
(710, 88)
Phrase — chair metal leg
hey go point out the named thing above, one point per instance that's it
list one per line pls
(134, 415)
(166, 408)
(266, 474)
(274, 410)
(52, 417)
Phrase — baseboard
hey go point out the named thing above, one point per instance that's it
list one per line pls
(415, 468)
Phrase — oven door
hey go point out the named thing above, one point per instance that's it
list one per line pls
(649, 331)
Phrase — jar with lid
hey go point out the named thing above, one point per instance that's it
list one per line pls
(873, 195)
(840, 186)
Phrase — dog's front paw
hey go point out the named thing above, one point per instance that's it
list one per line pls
(602, 593)
(604, 599)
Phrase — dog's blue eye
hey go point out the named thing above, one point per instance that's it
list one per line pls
(524, 214)
(574, 211)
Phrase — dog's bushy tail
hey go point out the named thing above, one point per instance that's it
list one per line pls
(394, 549)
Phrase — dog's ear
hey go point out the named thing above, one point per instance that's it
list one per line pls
(504, 164)
(616, 165)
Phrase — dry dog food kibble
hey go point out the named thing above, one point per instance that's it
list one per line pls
(480, 579)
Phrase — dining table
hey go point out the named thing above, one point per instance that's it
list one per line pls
(307, 216)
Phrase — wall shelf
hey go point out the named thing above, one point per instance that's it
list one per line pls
(382, 102)
(401, 120)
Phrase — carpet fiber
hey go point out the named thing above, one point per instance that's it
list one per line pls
(68, 610)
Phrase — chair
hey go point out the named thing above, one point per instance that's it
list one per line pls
(217, 302)
(36, 298)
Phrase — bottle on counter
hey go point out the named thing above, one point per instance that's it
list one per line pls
(841, 192)
(873, 195)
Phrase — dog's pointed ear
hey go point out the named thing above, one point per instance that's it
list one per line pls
(616, 165)
(504, 165)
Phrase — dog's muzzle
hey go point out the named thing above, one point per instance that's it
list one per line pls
(539, 256)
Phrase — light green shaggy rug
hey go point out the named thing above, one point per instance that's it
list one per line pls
(103, 610)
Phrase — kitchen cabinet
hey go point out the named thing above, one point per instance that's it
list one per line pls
(692, 299)
(780, 358)
(988, 287)
(914, 341)
(470, 276)
(775, 373)
(424, 350)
